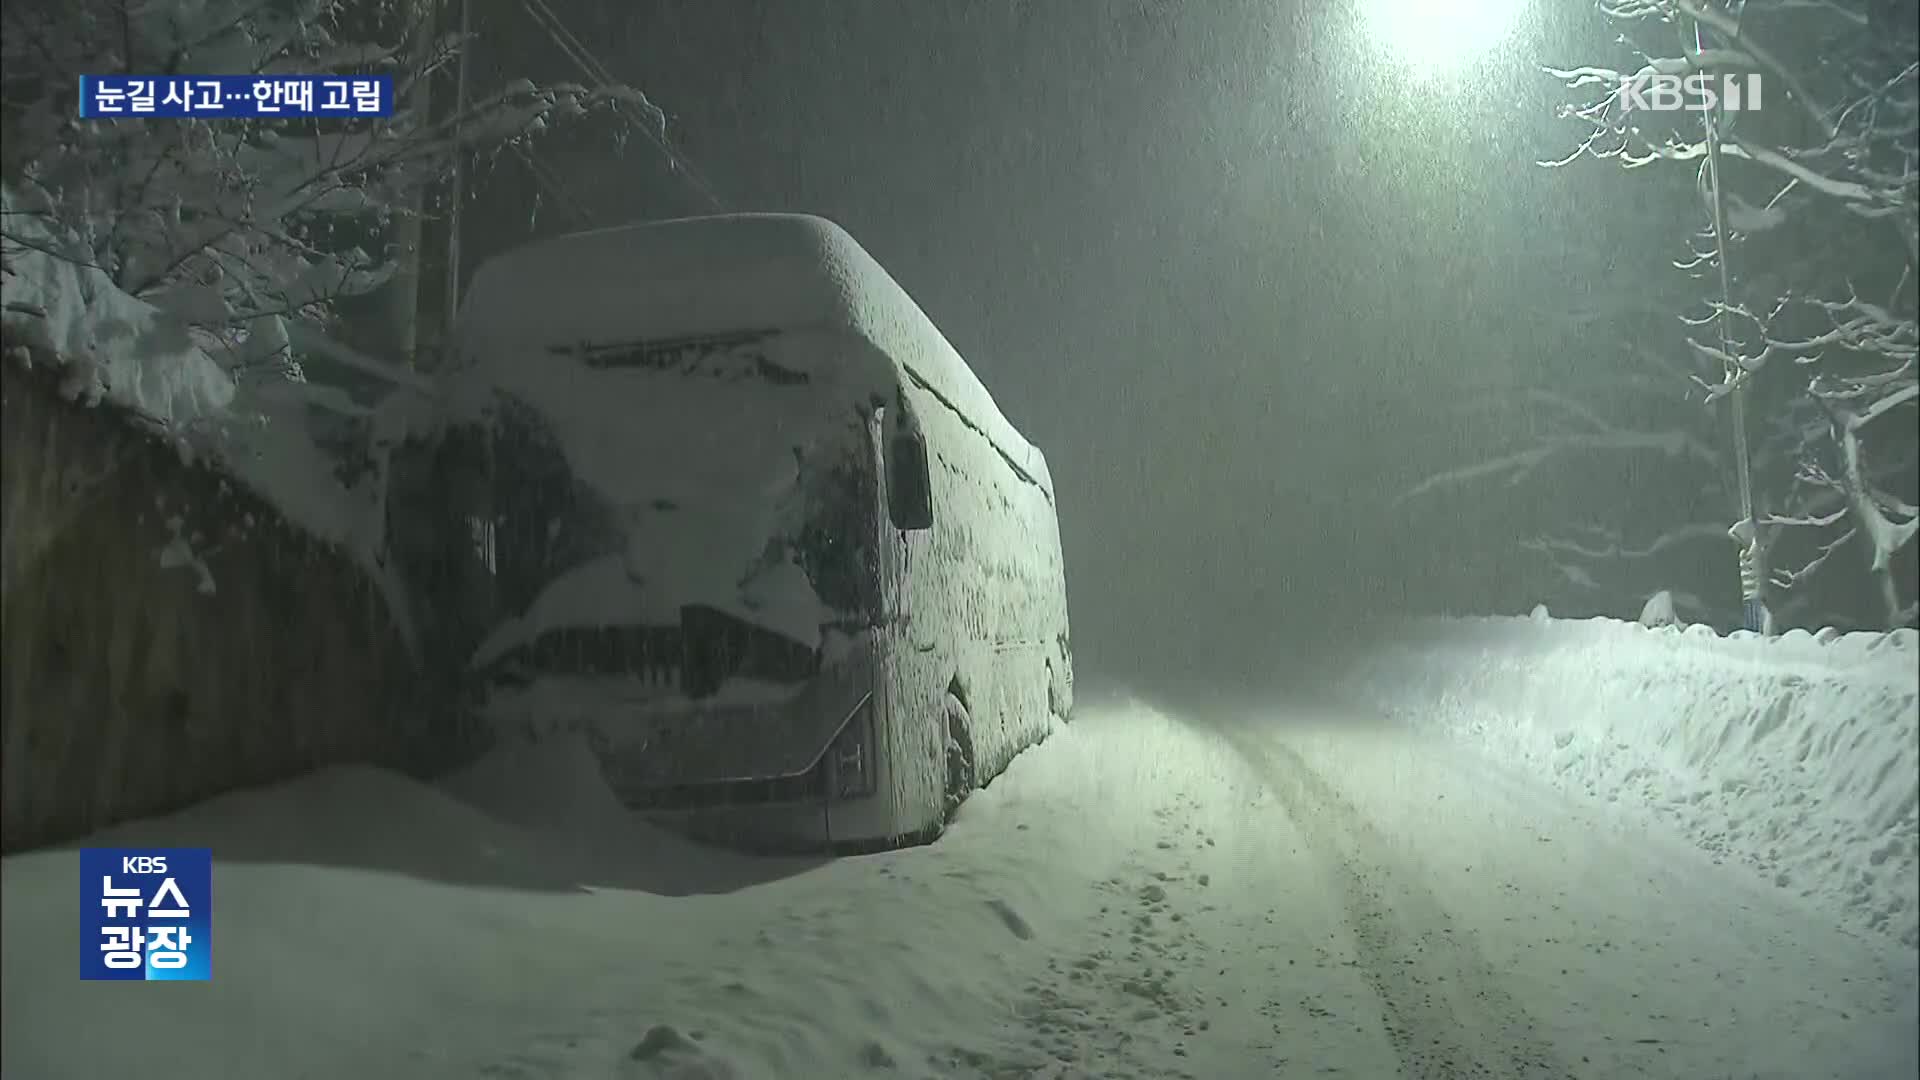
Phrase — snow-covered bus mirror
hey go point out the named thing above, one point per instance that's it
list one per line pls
(909, 484)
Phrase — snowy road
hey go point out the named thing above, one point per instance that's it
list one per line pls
(1367, 903)
(1444, 1008)
(1502, 932)
(1141, 897)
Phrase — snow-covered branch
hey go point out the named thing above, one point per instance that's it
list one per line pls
(1742, 45)
(1614, 547)
(1817, 521)
(1789, 579)
(1845, 190)
(1889, 523)
(1517, 466)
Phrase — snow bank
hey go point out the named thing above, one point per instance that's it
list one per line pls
(1795, 755)
(518, 923)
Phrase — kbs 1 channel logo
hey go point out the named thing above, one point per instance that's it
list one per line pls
(146, 914)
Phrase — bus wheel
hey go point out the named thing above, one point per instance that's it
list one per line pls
(960, 767)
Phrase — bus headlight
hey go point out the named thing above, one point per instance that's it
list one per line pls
(850, 758)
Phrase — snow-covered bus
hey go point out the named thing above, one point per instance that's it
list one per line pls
(744, 521)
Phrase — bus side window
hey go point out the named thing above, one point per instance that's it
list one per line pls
(909, 483)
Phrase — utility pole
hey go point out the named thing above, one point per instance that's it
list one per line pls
(1745, 531)
(399, 302)
(457, 199)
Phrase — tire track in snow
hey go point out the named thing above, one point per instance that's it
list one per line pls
(1446, 1013)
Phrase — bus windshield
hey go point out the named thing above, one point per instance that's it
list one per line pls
(620, 498)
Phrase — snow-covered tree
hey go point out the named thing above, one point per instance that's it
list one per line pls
(185, 268)
(243, 229)
(1805, 254)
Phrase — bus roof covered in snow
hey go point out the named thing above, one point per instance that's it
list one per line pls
(695, 277)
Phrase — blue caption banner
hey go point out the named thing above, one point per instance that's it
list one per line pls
(106, 97)
(146, 914)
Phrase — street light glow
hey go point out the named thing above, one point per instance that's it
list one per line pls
(1430, 36)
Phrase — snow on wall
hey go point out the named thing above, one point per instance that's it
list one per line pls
(698, 276)
(113, 347)
(176, 638)
(1794, 755)
(265, 442)
(116, 349)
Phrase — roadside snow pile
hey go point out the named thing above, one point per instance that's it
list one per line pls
(518, 922)
(1794, 755)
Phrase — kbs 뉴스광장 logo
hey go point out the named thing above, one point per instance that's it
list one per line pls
(146, 914)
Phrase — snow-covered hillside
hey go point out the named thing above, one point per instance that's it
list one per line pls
(1796, 756)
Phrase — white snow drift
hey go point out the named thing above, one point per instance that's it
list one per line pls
(1795, 755)
(371, 927)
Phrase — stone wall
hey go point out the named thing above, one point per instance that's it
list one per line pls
(133, 684)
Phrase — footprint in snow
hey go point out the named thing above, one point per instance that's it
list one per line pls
(665, 1054)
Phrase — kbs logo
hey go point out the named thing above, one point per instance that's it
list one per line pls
(1653, 91)
(146, 913)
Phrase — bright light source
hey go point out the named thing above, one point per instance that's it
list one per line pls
(1430, 36)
